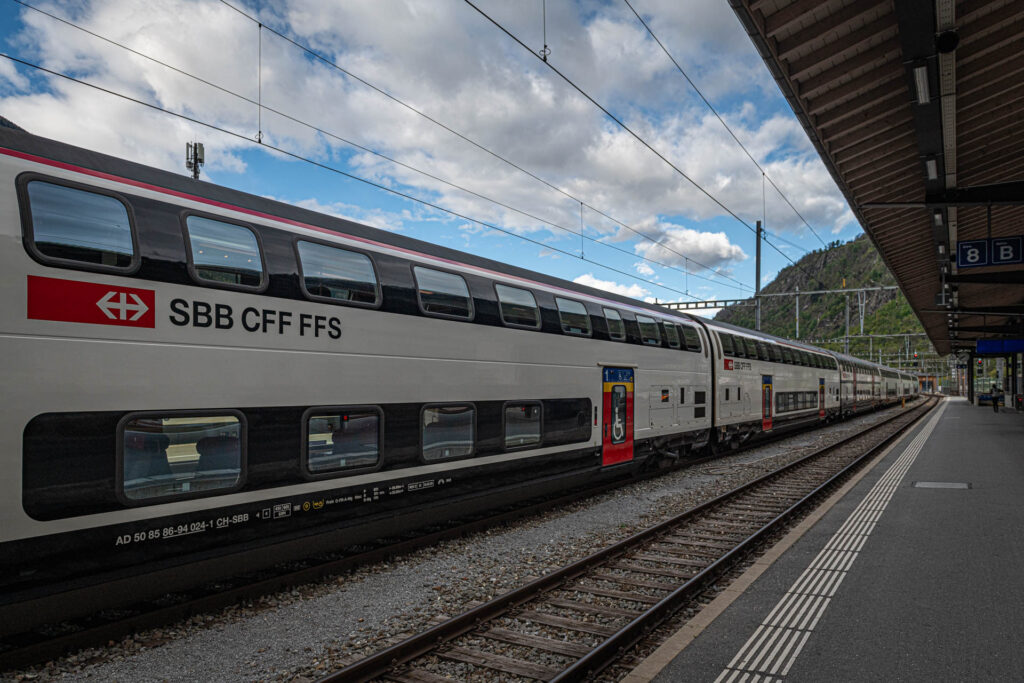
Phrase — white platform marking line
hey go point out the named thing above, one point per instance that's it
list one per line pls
(796, 614)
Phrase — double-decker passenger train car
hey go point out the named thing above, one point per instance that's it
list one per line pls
(198, 379)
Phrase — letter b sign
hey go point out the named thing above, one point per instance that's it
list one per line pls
(1006, 250)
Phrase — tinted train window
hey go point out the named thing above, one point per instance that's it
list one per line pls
(672, 335)
(691, 338)
(518, 306)
(739, 348)
(751, 347)
(726, 341)
(223, 253)
(443, 294)
(337, 274)
(522, 424)
(648, 330)
(762, 350)
(776, 353)
(616, 328)
(342, 439)
(69, 224)
(573, 316)
(566, 420)
(172, 456)
(448, 432)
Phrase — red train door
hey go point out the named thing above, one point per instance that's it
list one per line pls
(766, 403)
(821, 397)
(617, 431)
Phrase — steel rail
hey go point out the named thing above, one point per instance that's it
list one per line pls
(384, 661)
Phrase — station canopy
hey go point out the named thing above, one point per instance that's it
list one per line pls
(917, 109)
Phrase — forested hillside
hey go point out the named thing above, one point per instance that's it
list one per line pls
(823, 316)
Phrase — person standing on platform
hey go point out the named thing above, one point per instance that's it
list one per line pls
(995, 399)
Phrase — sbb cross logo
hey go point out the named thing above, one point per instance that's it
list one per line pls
(90, 302)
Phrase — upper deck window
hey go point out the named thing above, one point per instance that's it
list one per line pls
(337, 274)
(518, 306)
(224, 253)
(443, 294)
(726, 340)
(77, 226)
(672, 335)
(776, 352)
(616, 328)
(648, 330)
(691, 338)
(573, 316)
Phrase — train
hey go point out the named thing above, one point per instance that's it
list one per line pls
(198, 380)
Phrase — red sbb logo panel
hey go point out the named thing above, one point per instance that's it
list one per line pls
(89, 302)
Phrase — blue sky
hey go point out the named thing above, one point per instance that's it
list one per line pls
(453, 65)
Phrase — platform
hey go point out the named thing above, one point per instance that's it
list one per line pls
(914, 574)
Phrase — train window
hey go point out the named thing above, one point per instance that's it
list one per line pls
(762, 350)
(342, 439)
(448, 432)
(682, 395)
(223, 253)
(442, 294)
(70, 225)
(518, 307)
(726, 340)
(171, 456)
(699, 397)
(727, 393)
(573, 316)
(566, 420)
(691, 338)
(616, 328)
(776, 353)
(337, 274)
(751, 347)
(522, 424)
(739, 349)
(788, 356)
(672, 335)
(648, 330)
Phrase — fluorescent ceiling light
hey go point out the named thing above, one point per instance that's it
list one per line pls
(932, 167)
(921, 83)
(937, 217)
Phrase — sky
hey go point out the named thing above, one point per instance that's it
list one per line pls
(484, 146)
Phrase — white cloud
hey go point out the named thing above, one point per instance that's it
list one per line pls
(685, 248)
(446, 60)
(643, 268)
(633, 291)
(705, 312)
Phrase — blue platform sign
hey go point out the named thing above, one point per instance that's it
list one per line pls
(972, 253)
(1006, 250)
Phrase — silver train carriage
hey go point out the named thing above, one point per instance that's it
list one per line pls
(199, 379)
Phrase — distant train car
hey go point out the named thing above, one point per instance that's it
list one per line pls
(200, 380)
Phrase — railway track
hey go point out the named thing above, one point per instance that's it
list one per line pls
(54, 640)
(574, 622)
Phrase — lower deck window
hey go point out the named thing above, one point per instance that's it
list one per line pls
(522, 424)
(342, 440)
(170, 456)
(448, 432)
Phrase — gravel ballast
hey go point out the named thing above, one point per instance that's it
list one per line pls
(306, 632)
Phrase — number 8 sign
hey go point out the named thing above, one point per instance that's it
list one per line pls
(972, 253)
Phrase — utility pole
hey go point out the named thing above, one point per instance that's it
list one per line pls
(757, 285)
(195, 156)
(797, 312)
(860, 305)
(846, 342)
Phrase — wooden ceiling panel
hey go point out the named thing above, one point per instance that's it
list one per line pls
(846, 67)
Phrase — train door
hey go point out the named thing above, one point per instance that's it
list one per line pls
(821, 397)
(766, 402)
(617, 431)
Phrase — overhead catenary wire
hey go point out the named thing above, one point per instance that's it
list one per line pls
(327, 167)
(619, 122)
(722, 121)
(325, 60)
(259, 138)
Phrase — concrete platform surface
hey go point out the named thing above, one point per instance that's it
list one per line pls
(916, 574)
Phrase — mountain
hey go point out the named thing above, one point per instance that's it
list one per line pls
(823, 316)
